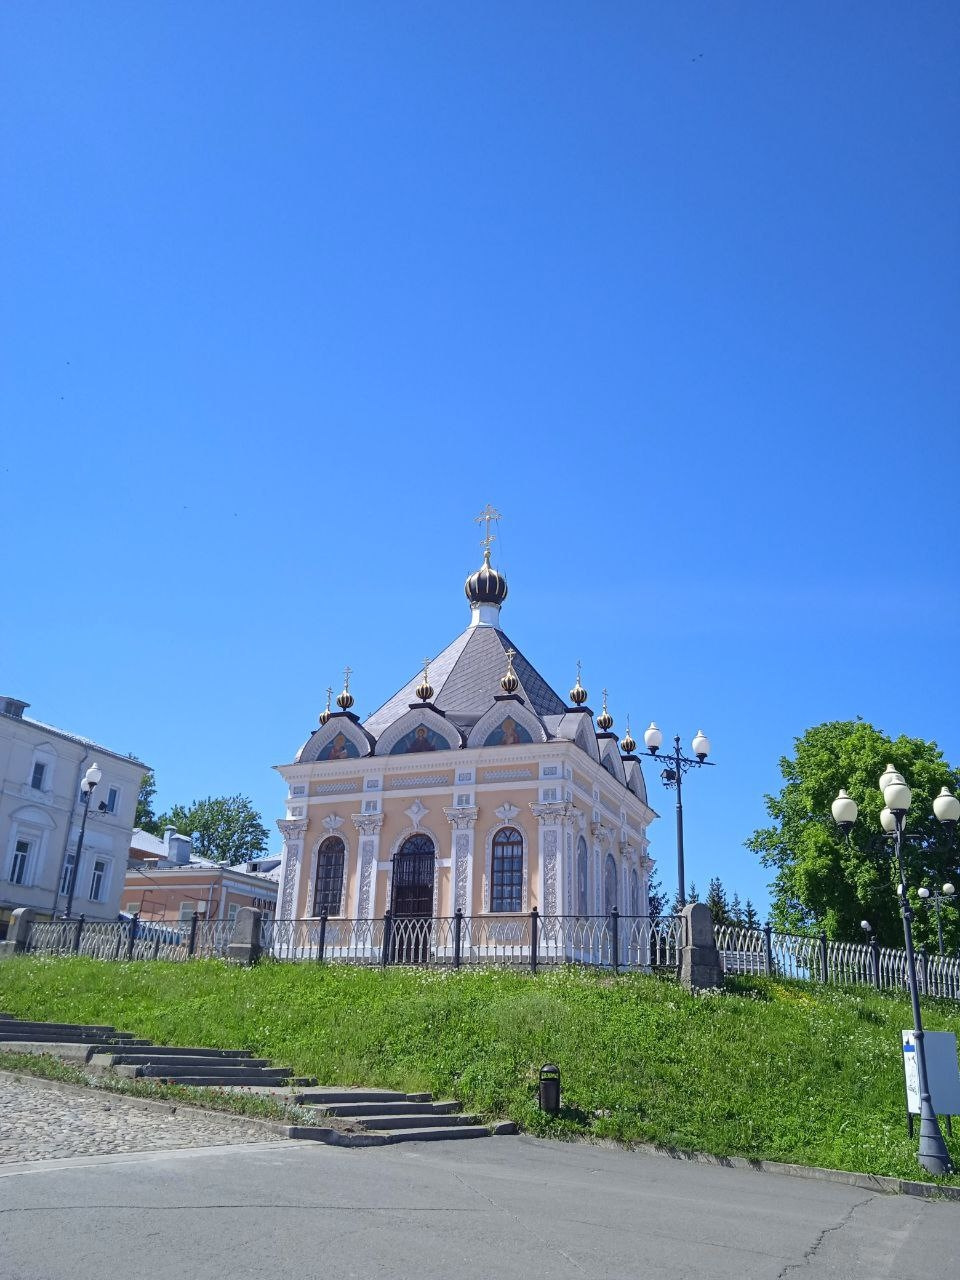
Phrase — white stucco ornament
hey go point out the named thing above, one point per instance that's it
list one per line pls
(332, 822)
(507, 812)
(416, 811)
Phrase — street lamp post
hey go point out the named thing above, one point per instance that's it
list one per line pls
(87, 786)
(938, 896)
(932, 1153)
(677, 764)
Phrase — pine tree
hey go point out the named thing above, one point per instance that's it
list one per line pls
(656, 899)
(750, 918)
(736, 911)
(717, 901)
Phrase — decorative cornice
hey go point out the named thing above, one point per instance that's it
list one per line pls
(292, 828)
(461, 817)
(368, 824)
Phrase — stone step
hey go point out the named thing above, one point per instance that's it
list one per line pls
(434, 1135)
(145, 1047)
(148, 1058)
(212, 1074)
(254, 1078)
(423, 1121)
(326, 1096)
(24, 1030)
(357, 1109)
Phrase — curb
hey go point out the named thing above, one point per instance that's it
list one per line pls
(878, 1182)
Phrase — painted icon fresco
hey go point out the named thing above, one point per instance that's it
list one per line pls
(508, 734)
(422, 738)
(339, 748)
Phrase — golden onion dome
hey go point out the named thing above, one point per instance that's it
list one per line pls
(345, 697)
(326, 713)
(424, 689)
(605, 719)
(508, 681)
(628, 743)
(487, 585)
(578, 694)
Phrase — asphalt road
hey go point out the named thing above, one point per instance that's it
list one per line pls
(495, 1209)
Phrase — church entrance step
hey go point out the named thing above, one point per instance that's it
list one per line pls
(161, 1058)
(326, 1097)
(434, 1135)
(356, 1110)
(425, 1120)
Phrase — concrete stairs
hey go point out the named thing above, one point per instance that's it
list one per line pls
(397, 1117)
(384, 1115)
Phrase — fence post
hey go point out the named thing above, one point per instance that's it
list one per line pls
(457, 935)
(77, 935)
(192, 944)
(767, 950)
(18, 935)
(823, 957)
(387, 938)
(924, 970)
(322, 940)
(615, 937)
(533, 940)
(875, 960)
(132, 934)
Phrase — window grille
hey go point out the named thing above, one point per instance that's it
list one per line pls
(506, 873)
(329, 886)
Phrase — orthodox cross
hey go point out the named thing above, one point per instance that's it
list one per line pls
(347, 673)
(426, 668)
(489, 513)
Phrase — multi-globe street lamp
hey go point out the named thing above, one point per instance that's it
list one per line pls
(677, 764)
(87, 786)
(932, 1153)
(936, 896)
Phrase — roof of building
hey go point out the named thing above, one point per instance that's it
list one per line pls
(70, 737)
(466, 679)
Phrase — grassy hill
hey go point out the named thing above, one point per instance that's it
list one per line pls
(767, 1069)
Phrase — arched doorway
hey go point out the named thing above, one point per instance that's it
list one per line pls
(411, 904)
(609, 884)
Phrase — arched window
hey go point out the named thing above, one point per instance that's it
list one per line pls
(583, 870)
(506, 871)
(329, 888)
(609, 884)
(634, 893)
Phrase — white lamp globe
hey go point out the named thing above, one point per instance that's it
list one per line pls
(888, 821)
(93, 775)
(923, 893)
(890, 774)
(949, 890)
(701, 745)
(653, 738)
(897, 796)
(946, 806)
(844, 810)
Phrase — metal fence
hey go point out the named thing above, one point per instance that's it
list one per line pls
(616, 942)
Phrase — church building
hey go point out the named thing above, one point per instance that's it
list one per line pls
(475, 787)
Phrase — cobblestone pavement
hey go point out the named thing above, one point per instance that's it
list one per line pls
(41, 1120)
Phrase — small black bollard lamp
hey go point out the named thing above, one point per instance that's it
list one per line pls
(550, 1089)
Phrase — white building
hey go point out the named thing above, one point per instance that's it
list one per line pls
(41, 809)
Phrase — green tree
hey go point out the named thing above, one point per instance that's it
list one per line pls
(736, 911)
(225, 828)
(824, 880)
(146, 819)
(693, 895)
(656, 899)
(751, 919)
(716, 900)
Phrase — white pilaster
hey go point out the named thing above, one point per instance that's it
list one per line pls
(293, 830)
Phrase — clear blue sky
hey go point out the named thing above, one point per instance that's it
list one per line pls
(290, 291)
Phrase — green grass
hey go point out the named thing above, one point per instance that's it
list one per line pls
(768, 1069)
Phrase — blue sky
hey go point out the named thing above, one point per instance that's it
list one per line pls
(291, 291)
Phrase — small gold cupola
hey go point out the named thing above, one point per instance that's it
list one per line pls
(326, 712)
(345, 697)
(578, 694)
(605, 719)
(508, 681)
(628, 743)
(424, 689)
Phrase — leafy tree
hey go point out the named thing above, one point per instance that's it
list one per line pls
(716, 900)
(656, 899)
(750, 918)
(146, 819)
(824, 880)
(226, 828)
